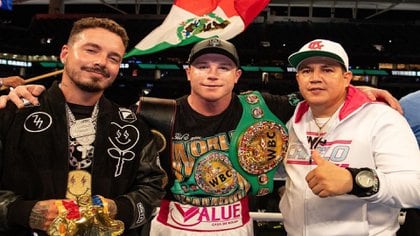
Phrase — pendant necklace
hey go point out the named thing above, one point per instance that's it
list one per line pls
(321, 123)
(84, 132)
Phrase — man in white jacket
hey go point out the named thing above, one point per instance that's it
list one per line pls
(352, 163)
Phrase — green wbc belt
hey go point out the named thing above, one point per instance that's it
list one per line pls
(259, 144)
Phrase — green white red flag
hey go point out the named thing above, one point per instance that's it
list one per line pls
(190, 21)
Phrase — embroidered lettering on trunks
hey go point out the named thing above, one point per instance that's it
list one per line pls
(205, 218)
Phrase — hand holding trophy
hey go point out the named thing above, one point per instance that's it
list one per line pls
(88, 216)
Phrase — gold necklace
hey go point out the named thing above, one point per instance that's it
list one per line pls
(320, 127)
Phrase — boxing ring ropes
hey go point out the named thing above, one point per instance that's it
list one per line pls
(277, 216)
(266, 216)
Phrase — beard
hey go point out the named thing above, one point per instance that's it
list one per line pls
(93, 85)
(89, 87)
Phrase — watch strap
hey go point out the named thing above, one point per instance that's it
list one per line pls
(358, 190)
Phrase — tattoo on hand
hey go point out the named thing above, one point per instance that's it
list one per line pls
(37, 219)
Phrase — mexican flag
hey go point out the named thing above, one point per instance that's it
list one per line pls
(190, 21)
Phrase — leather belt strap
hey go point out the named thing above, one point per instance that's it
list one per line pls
(258, 144)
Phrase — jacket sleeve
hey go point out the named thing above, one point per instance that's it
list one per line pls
(6, 198)
(397, 161)
(136, 207)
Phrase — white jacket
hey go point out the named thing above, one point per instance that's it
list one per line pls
(361, 134)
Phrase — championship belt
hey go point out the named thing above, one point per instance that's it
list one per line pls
(213, 175)
(259, 144)
(213, 182)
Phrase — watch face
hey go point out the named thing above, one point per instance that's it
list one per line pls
(365, 179)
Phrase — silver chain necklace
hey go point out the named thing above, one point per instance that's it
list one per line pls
(84, 132)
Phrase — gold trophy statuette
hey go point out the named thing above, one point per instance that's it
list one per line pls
(88, 216)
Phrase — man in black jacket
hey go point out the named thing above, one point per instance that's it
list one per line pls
(77, 143)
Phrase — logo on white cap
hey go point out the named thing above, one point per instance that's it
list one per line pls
(314, 45)
(323, 48)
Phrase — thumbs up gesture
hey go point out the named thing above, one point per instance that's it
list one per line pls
(327, 179)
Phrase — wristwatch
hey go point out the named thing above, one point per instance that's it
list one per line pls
(365, 182)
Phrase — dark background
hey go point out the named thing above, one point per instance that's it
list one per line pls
(372, 32)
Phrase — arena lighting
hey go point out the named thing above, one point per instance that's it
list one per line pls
(250, 68)
(15, 63)
(376, 72)
(55, 64)
(274, 69)
(158, 66)
(146, 92)
(29, 58)
(147, 66)
(51, 64)
(357, 71)
(410, 73)
(124, 66)
(368, 72)
(45, 41)
(167, 66)
(265, 44)
(379, 47)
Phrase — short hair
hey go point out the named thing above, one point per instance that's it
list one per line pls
(94, 22)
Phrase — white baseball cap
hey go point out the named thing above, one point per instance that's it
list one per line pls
(320, 48)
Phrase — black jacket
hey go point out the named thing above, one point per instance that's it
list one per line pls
(34, 161)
